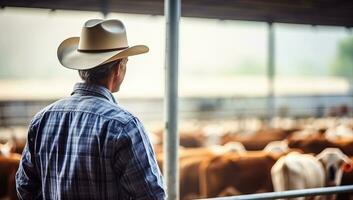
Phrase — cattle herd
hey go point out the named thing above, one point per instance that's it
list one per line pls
(223, 158)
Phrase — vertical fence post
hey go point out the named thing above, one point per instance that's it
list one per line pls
(171, 138)
(104, 4)
(271, 73)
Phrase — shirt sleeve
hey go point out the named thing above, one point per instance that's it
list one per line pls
(27, 178)
(136, 165)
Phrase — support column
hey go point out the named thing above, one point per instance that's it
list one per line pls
(104, 8)
(171, 137)
(271, 73)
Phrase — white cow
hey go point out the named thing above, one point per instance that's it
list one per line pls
(234, 147)
(277, 147)
(5, 149)
(339, 132)
(300, 171)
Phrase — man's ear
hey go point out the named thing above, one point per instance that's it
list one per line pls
(117, 70)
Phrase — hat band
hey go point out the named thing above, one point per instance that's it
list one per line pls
(101, 50)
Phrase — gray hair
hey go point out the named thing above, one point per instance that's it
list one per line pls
(95, 75)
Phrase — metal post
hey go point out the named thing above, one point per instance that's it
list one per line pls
(271, 72)
(104, 7)
(171, 139)
(349, 32)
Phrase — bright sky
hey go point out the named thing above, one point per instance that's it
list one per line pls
(212, 53)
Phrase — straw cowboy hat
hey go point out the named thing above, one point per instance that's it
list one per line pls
(101, 41)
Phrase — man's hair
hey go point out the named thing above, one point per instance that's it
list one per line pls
(95, 75)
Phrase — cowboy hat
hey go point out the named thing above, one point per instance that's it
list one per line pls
(101, 41)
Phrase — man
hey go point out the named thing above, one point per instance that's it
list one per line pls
(86, 146)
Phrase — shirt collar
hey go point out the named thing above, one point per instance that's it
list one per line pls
(93, 90)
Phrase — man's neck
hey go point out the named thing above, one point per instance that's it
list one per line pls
(101, 83)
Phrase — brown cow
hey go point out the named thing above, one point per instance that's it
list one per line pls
(186, 153)
(188, 139)
(189, 161)
(20, 144)
(345, 145)
(235, 173)
(8, 168)
(258, 140)
(189, 177)
(316, 143)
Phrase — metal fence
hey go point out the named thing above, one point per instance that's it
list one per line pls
(20, 112)
(291, 193)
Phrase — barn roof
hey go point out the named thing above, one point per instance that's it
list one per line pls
(314, 12)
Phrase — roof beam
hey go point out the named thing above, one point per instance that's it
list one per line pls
(314, 12)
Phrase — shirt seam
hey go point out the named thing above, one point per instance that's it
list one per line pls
(94, 94)
(96, 89)
(81, 111)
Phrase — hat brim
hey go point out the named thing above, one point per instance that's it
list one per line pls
(71, 58)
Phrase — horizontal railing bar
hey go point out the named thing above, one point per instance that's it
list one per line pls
(290, 194)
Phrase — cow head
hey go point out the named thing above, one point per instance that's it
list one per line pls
(334, 162)
(7, 148)
(277, 147)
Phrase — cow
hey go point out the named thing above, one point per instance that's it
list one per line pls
(345, 145)
(317, 142)
(347, 179)
(8, 167)
(189, 162)
(7, 148)
(12, 145)
(235, 147)
(189, 177)
(339, 132)
(300, 171)
(314, 143)
(236, 173)
(277, 147)
(187, 138)
(258, 140)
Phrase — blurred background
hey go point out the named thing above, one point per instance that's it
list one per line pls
(223, 66)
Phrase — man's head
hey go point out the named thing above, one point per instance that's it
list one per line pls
(109, 75)
(100, 54)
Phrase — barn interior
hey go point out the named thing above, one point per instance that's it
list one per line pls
(257, 80)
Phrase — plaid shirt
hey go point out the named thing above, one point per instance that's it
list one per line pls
(87, 147)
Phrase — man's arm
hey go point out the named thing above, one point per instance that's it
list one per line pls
(136, 165)
(27, 178)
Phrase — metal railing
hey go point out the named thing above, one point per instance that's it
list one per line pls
(20, 112)
(290, 193)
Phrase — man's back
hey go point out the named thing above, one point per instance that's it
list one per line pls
(87, 147)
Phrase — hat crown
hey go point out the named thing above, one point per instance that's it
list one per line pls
(98, 35)
(101, 41)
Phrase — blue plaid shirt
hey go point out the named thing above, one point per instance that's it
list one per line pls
(87, 147)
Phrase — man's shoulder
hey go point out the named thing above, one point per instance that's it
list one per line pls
(37, 117)
(97, 107)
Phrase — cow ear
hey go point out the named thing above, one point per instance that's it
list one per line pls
(347, 167)
(347, 164)
(321, 157)
(322, 161)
